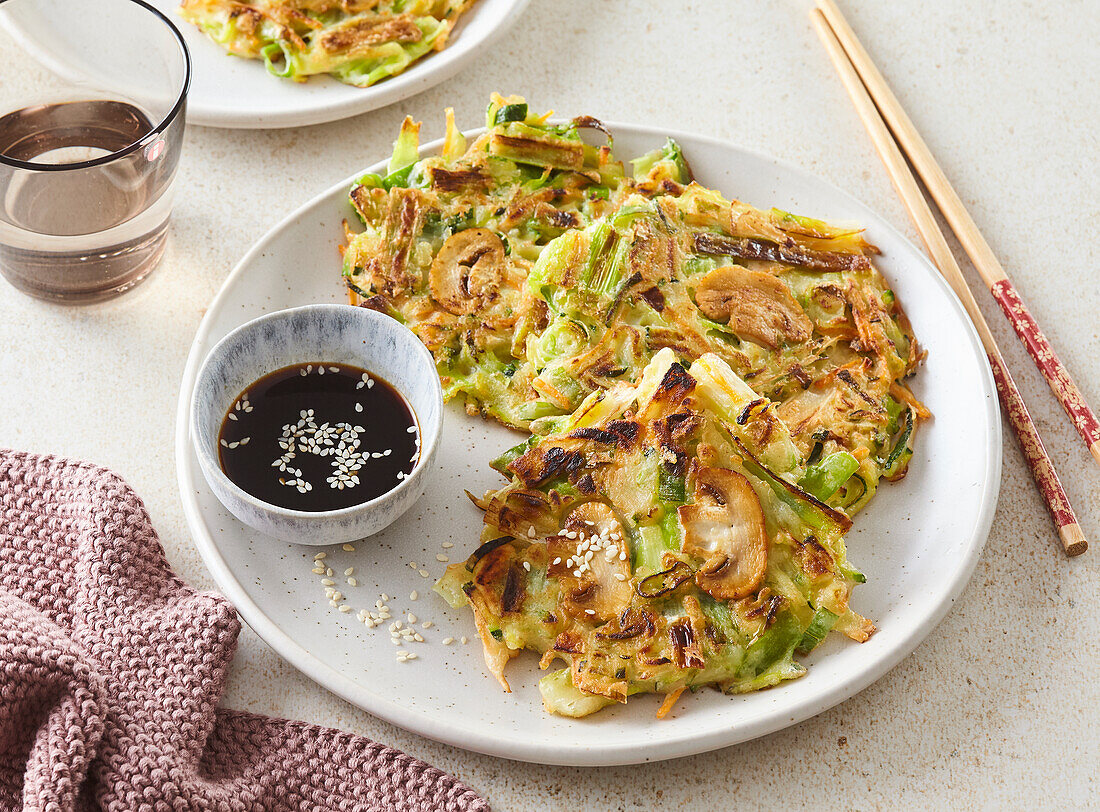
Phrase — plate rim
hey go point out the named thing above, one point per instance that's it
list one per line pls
(426, 725)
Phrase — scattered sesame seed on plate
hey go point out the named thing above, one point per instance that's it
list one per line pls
(358, 407)
(448, 640)
(349, 571)
(465, 640)
(348, 548)
(424, 573)
(319, 556)
(345, 608)
(527, 565)
(427, 624)
(441, 557)
(446, 545)
(413, 595)
(412, 618)
(328, 582)
(411, 429)
(352, 582)
(385, 597)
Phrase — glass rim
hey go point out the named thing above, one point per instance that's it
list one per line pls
(159, 129)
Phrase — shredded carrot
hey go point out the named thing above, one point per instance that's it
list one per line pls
(670, 701)
(903, 394)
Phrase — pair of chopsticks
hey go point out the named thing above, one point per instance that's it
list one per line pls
(875, 102)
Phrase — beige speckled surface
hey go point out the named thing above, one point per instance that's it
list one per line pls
(998, 708)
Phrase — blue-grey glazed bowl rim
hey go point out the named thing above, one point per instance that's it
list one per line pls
(428, 440)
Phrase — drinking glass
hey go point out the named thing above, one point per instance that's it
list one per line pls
(93, 96)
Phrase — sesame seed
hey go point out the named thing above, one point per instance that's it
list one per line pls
(232, 416)
(577, 573)
(224, 444)
(328, 582)
(448, 640)
(318, 570)
(465, 640)
(413, 596)
(557, 560)
(441, 557)
(418, 638)
(619, 576)
(349, 571)
(358, 407)
(385, 597)
(397, 624)
(446, 545)
(328, 571)
(338, 596)
(412, 618)
(413, 564)
(319, 556)
(412, 656)
(348, 548)
(589, 612)
(245, 440)
(427, 624)
(527, 565)
(334, 369)
(352, 582)
(424, 573)
(411, 429)
(345, 608)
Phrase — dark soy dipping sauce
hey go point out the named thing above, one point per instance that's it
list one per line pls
(318, 437)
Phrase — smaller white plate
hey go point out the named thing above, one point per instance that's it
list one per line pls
(228, 91)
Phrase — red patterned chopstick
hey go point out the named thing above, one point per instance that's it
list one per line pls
(987, 265)
(1046, 479)
(1047, 360)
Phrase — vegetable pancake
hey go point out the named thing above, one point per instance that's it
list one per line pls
(713, 391)
(450, 239)
(359, 42)
(667, 535)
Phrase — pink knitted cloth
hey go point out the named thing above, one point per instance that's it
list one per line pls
(111, 669)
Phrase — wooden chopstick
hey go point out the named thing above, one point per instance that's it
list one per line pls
(994, 276)
(1046, 478)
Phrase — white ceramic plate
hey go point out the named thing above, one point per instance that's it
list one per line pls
(227, 91)
(917, 543)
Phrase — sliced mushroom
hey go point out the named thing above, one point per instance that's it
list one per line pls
(467, 270)
(754, 303)
(603, 589)
(725, 528)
